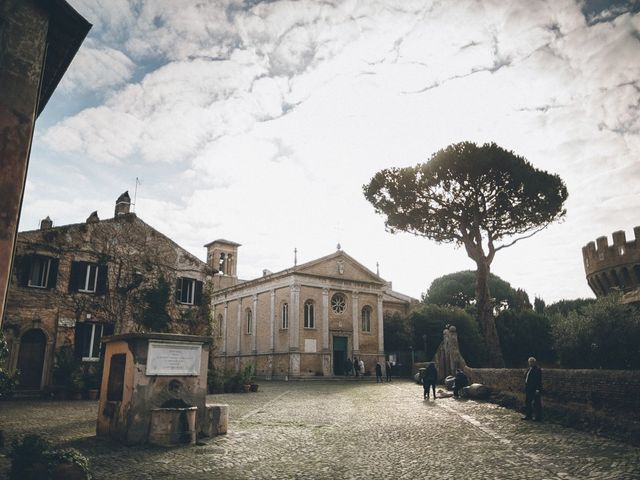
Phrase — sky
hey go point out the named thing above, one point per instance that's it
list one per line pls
(260, 121)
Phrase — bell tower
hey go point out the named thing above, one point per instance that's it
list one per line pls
(222, 255)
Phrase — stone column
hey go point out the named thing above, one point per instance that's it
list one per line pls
(239, 334)
(356, 324)
(294, 332)
(272, 336)
(224, 333)
(254, 326)
(326, 356)
(380, 326)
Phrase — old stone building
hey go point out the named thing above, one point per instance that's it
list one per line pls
(74, 284)
(304, 321)
(616, 266)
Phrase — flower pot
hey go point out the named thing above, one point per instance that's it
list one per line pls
(246, 388)
(254, 387)
(93, 394)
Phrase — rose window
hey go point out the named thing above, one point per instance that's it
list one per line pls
(338, 303)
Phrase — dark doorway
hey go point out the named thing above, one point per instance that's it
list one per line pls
(31, 358)
(339, 354)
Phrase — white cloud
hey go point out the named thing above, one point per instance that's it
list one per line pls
(260, 123)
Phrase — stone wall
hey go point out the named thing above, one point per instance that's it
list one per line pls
(597, 389)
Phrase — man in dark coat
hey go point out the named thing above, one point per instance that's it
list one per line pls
(533, 391)
(429, 379)
(348, 366)
(388, 370)
(378, 372)
(460, 382)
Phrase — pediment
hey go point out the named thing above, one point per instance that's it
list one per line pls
(339, 265)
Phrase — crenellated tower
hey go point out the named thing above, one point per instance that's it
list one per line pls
(613, 266)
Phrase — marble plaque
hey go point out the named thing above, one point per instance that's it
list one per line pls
(178, 359)
(310, 345)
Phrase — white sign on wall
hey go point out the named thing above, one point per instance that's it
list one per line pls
(173, 358)
(310, 345)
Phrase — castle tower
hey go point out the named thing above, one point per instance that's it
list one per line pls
(123, 204)
(222, 255)
(616, 266)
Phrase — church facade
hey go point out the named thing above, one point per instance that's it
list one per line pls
(304, 321)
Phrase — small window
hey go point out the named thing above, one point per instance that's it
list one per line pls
(285, 316)
(87, 277)
(188, 291)
(366, 319)
(309, 315)
(88, 339)
(42, 272)
(249, 316)
(338, 303)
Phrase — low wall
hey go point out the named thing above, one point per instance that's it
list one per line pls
(598, 389)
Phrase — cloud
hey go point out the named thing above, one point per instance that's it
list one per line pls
(260, 121)
(97, 68)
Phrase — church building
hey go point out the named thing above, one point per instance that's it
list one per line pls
(304, 321)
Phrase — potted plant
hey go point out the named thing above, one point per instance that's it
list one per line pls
(245, 378)
(91, 380)
(34, 457)
(68, 374)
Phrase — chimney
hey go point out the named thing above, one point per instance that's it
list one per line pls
(123, 204)
(46, 223)
(93, 218)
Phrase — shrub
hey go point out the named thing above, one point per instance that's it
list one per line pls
(67, 372)
(34, 458)
(524, 334)
(603, 334)
(7, 382)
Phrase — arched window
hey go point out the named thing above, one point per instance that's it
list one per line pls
(219, 327)
(285, 316)
(309, 315)
(249, 321)
(366, 318)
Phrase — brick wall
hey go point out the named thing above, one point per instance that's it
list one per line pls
(597, 389)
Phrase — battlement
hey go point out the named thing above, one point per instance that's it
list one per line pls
(613, 266)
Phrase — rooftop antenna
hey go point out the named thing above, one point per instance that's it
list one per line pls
(135, 194)
(295, 257)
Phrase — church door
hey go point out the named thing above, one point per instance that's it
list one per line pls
(31, 358)
(339, 354)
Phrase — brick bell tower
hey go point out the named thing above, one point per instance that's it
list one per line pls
(222, 255)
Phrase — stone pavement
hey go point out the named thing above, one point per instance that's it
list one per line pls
(335, 430)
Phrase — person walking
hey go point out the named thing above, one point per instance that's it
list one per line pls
(533, 391)
(361, 366)
(429, 380)
(378, 372)
(388, 370)
(348, 366)
(356, 366)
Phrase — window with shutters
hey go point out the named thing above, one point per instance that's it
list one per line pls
(41, 271)
(188, 291)
(88, 339)
(88, 277)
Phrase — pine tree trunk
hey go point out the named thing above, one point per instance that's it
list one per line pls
(485, 315)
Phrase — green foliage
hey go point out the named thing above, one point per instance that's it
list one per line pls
(155, 317)
(600, 334)
(67, 371)
(247, 374)
(397, 333)
(473, 196)
(431, 320)
(458, 290)
(215, 380)
(464, 189)
(34, 458)
(7, 382)
(524, 334)
(539, 305)
(563, 307)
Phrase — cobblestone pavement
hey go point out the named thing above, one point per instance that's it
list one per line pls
(333, 430)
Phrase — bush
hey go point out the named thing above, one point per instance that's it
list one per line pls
(34, 458)
(7, 382)
(432, 320)
(603, 334)
(67, 372)
(524, 334)
(215, 381)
